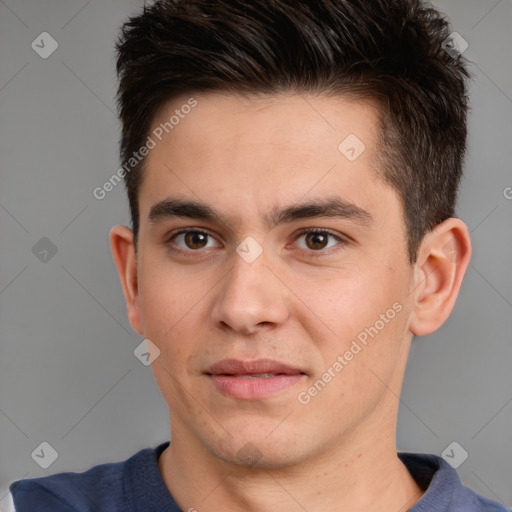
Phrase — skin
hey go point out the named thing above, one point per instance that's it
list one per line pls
(299, 303)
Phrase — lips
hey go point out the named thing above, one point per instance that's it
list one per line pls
(258, 367)
(253, 380)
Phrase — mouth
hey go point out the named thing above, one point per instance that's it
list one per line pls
(253, 380)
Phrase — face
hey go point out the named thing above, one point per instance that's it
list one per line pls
(272, 275)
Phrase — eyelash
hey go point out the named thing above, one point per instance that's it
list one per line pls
(177, 250)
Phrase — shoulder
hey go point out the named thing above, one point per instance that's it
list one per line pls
(103, 487)
(444, 489)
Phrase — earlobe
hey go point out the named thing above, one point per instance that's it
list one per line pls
(123, 252)
(443, 258)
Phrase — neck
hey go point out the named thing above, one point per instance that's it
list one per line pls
(350, 475)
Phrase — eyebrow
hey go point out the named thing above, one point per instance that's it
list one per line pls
(329, 207)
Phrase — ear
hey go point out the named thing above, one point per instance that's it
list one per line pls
(443, 258)
(123, 251)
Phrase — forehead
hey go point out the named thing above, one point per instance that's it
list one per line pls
(263, 151)
(311, 123)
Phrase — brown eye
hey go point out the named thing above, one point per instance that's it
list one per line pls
(195, 239)
(316, 241)
(191, 240)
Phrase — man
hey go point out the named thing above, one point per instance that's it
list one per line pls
(292, 169)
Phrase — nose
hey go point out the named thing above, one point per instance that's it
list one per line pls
(251, 297)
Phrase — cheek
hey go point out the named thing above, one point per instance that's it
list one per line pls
(349, 300)
(169, 304)
(363, 314)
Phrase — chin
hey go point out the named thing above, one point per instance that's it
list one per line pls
(259, 450)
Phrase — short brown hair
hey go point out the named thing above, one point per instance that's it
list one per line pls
(391, 51)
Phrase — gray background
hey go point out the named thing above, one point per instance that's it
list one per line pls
(68, 375)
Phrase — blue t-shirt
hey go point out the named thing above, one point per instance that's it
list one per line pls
(136, 485)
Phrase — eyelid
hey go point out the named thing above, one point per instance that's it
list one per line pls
(186, 229)
(335, 234)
